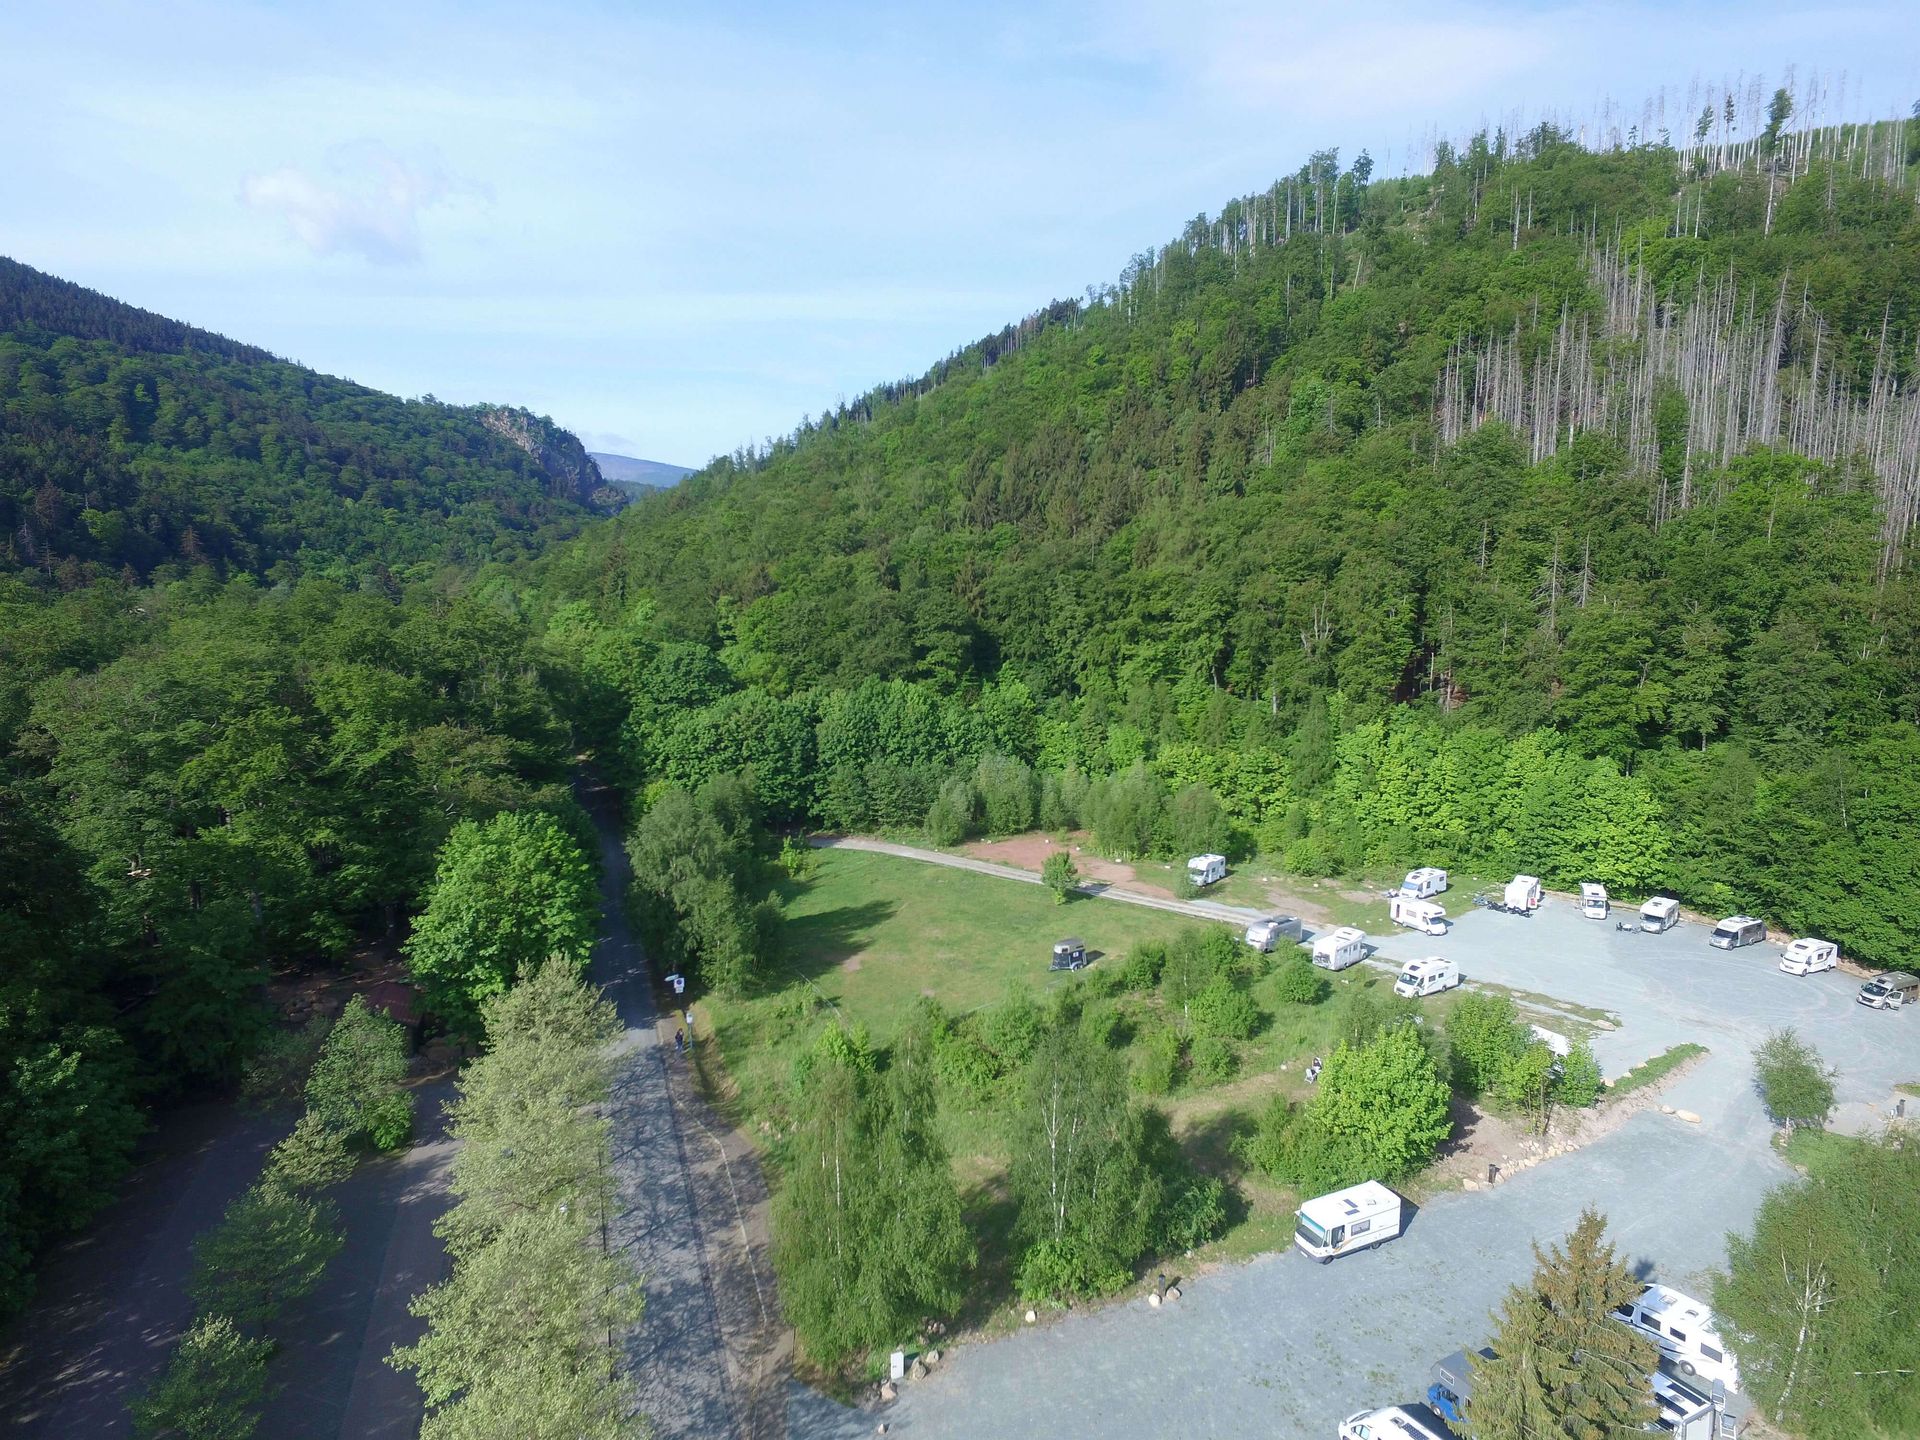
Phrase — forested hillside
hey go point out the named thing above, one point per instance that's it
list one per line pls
(1549, 511)
(250, 681)
(131, 444)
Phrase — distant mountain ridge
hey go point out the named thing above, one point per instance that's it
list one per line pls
(648, 474)
(131, 443)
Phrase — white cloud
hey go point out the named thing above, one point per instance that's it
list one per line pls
(367, 201)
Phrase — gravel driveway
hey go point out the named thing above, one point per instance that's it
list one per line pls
(1282, 1347)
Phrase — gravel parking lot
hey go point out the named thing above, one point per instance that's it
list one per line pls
(1285, 1348)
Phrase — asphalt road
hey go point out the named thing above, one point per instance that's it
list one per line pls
(1282, 1347)
(112, 1301)
(677, 1353)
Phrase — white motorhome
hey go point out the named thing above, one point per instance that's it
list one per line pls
(1395, 1422)
(1808, 956)
(1593, 900)
(1264, 935)
(1361, 1217)
(1523, 892)
(1683, 1328)
(1422, 915)
(1337, 949)
(1659, 914)
(1205, 869)
(1426, 977)
(1737, 930)
(1424, 883)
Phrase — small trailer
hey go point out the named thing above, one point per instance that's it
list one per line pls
(1069, 955)
(1660, 914)
(1522, 894)
(1361, 1217)
(1265, 935)
(1395, 1422)
(1426, 977)
(1424, 883)
(1808, 956)
(1684, 1329)
(1206, 869)
(1593, 900)
(1337, 949)
(1422, 915)
(1889, 991)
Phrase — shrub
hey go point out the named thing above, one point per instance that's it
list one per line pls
(1794, 1082)
(962, 1062)
(1223, 1010)
(1313, 855)
(952, 817)
(1012, 1029)
(212, 1389)
(1144, 966)
(1486, 1033)
(1060, 875)
(1156, 1062)
(1292, 1148)
(1213, 1060)
(1298, 983)
(1194, 1214)
(355, 1083)
(1372, 1010)
(1006, 790)
(847, 1045)
(1580, 1081)
(277, 1071)
(797, 858)
(1195, 823)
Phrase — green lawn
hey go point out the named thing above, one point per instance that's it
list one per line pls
(867, 935)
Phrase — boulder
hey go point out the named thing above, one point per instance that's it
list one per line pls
(918, 1371)
(931, 1358)
(1469, 1184)
(1031, 1317)
(1154, 1301)
(1686, 1115)
(887, 1391)
(1174, 1293)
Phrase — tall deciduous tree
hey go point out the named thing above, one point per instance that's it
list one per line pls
(273, 1245)
(356, 1084)
(1386, 1099)
(506, 896)
(212, 1388)
(1087, 1194)
(868, 1233)
(1794, 1082)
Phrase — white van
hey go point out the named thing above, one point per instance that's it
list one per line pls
(1807, 956)
(1737, 930)
(1426, 977)
(1660, 914)
(1593, 900)
(1395, 1422)
(1683, 1328)
(1361, 1217)
(1422, 915)
(1205, 869)
(1523, 892)
(1264, 935)
(1424, 883)
(1337, 949)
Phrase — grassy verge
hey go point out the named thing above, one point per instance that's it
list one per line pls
(1651, 1072)
(1816, 1149)
(1912, 1087)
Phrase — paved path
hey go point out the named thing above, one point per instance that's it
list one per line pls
(1281, 1347)
(1097, 889)
(705, 1355)
(113, 1300)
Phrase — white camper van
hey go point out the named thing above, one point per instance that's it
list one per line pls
(1523, 892)
(1422, 915)
(1361, 1217)
(1395, 1422)
(1264, 935)
(1659, 914)
(1593, 900)
(1737, 930)
(1337, 949)
(1424, 883)
(1205, 869)
(1426, 977)
(1683, 1328)
(1807, 956)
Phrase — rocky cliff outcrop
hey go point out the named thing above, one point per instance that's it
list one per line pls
(571, 472)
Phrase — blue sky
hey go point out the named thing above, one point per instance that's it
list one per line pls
(679, 228)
